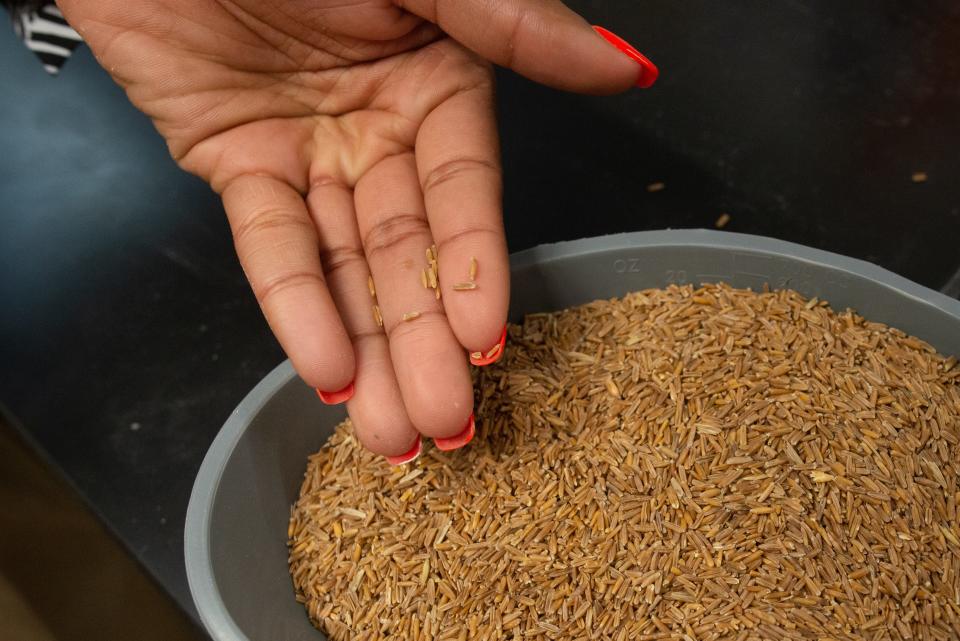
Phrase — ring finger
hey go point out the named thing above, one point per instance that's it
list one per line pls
(376, 408)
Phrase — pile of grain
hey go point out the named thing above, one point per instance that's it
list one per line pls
(679, 464)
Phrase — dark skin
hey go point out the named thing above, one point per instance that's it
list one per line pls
(345, 137)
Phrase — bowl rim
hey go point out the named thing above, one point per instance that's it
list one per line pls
(206, 597)
(212, 610)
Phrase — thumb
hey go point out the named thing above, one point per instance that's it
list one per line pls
(542, 40)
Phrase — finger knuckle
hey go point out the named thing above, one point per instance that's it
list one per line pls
(269, 221)
(420, 332)
(336, 258)
(363, 336)
(266, 289)
(519, 22)
(457, 168)
(466, 236)
(393, 230)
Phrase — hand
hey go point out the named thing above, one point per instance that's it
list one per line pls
(346, 137)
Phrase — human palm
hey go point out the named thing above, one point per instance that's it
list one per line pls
(346, 137)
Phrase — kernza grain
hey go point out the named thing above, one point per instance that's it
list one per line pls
(677, 464)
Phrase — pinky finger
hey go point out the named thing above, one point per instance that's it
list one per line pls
(278, 248)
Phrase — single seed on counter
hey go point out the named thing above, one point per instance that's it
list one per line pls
(722, 221)
(655, 187)
(409, 316)
(373, 290)
(473, 268)
(460, 287)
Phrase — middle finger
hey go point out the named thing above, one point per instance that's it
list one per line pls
(430, 363)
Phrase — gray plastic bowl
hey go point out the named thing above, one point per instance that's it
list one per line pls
(236, 527)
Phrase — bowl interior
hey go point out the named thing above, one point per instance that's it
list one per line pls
(248, 522)
(237, 521)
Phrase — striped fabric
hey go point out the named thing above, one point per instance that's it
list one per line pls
(47, 34)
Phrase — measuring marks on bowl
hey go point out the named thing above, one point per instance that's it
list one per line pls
(741, 269)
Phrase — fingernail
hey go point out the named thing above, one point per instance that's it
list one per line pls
(648, 70)
(409, 456)
(458, 441)
(335, 398)
(493, 354)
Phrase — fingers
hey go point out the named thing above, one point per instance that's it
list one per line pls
(540, 39)
(278, 248)
(428, 360)
(459, 168)
(376, 408)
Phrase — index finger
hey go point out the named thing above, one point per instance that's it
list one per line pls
(459, 167)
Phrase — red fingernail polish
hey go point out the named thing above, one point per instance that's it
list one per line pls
(334, 398)
(409, 456)
(493, 354)
(458, 441)
(648, 70)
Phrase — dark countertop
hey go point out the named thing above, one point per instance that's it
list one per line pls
(128, 333)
